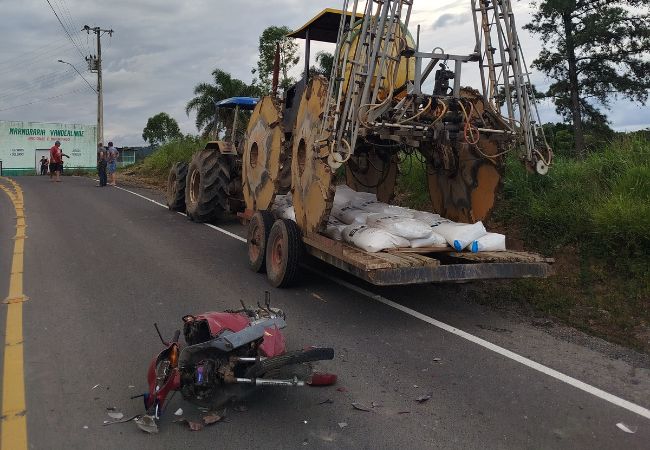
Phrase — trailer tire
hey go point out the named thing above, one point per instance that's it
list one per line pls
(206, 189)
(176, 181)
(257, 237)
(283, 253)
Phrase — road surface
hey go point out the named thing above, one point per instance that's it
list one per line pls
(102, 264)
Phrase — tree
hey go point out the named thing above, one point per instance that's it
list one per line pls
(288, 58)
(211, 120)
(160, 129)
(594, 50)
(325, 62)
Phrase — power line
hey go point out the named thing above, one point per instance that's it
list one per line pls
(65, 29)
(67, 17)
(76, 91)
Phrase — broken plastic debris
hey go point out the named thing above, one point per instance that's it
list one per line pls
(437, 359)
(423, 398)
(85, 427)
(179, 412)
(343, 425)
(94, 387)
(212, 418)
(147, 423)
(375, 405)
(360, 407)
(625, 428)
(194, 426)
(131, 386)
(115, 415)
(329, 400)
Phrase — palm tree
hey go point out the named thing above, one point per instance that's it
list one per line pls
(209, 119)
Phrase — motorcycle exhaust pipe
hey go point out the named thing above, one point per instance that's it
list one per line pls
(269, 382)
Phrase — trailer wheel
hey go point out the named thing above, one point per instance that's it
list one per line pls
(176, 187)
(283, 253)
(259, 229)
(206, 189)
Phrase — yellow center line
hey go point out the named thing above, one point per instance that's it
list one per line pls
(13, 424)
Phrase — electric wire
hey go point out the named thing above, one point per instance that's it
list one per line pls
(65, 29)
(75, 91)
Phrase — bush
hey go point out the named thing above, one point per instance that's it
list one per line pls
(160, 161)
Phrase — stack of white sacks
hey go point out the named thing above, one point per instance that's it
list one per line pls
(359, 219)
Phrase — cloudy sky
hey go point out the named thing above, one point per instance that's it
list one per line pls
(161, 49)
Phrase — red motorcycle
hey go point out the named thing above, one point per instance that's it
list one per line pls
(227, 355)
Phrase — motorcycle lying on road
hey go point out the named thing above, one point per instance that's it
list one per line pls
(227, 355)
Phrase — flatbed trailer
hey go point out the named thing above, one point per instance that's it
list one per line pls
(278, 247)
(426, 265)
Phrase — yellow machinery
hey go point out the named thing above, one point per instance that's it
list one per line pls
(372, 111)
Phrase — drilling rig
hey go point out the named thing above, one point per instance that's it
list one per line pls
(387, 97)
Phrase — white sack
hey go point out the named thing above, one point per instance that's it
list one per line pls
(427, 217)
(344, 195)
(282, 207)
(349, 214)
(491, 242)
(460, 235)
(372, 239)
(334, 229)
(400, 226)
(433, 240)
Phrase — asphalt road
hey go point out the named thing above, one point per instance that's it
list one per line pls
(101, 265)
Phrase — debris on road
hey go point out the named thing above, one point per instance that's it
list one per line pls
(95, 387)
(147, 423)
(343, 425)
(329, 400)
(194, 426)
(375, 405)
(341, 389)
(360, 407)
(423, 398)
(214, 418)
(127, 419)
(115, 415)
(625, 428)
(437, 359)
(179, 412)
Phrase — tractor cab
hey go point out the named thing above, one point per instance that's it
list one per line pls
(228, 146)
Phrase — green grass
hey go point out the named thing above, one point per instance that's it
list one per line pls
(593, 216)
(159, 162)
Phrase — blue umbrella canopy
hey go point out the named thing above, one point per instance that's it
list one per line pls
(247, 103)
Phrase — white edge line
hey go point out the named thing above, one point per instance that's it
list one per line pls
(637, 409)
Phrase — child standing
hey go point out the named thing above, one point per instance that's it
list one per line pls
(101, 168)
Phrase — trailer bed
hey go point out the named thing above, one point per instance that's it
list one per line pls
(428, 265)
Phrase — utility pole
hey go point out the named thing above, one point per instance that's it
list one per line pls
(95, 65)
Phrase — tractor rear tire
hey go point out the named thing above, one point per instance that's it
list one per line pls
(259, 229)
(176, 181)
(206, 191)
(284, 252)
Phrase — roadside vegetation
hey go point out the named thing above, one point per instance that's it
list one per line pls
(593, 217)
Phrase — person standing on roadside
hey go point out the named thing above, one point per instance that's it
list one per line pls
(113, 154)
(56, 161)
(101, 168)
(44, 163)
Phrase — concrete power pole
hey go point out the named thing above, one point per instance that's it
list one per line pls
(95, 65)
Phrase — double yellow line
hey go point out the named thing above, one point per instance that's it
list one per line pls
(13, 425)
